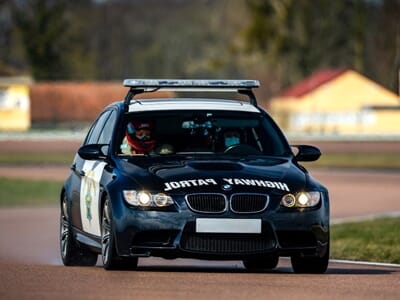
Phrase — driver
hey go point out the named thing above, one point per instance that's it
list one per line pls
(231, 137)
(138, 138)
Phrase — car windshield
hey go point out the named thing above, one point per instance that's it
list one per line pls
(200, 132)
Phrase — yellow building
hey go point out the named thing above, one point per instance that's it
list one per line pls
(337, 102)
(14, 103)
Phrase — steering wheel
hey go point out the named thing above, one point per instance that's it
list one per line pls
(242, 149)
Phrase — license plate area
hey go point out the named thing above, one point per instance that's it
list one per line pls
(211, 225)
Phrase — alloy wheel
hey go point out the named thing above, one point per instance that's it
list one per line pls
(106, 234)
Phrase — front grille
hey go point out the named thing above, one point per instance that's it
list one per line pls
(207, 203)
(217, 203)
(248, 203)
(225, 244)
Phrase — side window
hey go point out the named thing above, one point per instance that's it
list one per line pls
(106, 134)
(96, 129)
(270, 139)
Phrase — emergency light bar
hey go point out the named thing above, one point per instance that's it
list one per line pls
(188, 83)
(138, 86)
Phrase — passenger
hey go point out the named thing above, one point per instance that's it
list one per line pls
(138, 138)
(231, 137)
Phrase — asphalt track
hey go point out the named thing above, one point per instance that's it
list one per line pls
(30, 266)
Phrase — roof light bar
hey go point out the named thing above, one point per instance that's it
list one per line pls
(137, 86)
(190, 83)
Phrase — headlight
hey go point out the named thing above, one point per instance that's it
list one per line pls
(302, 199)
(146, 199)
(288, 200)
(161, 200)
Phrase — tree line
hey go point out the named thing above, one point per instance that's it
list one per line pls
(276, 41)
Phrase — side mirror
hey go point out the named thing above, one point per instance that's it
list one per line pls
(92, 152)
(307, 153)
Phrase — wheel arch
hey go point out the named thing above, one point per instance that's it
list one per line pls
(63, 194)
(103, 195)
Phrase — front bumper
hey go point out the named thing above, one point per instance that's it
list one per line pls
(173, 234)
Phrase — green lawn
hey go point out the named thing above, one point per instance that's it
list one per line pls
(51, 158)
(18, 192)
(358, 160)
(375, 240)
(342, 160)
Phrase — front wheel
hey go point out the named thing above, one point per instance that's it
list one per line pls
(311, 265)
(71, 253)
(111, 261)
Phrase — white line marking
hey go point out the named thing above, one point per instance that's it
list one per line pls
(366, 263)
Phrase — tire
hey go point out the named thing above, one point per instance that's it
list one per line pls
(311, 265)
(111, 261)
(265, 263)
(71, 253)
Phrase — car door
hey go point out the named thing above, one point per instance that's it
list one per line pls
(89, 173)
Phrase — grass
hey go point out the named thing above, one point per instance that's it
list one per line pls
(18, 192)
(375, 240)
(51, 158)
(340, 160)
(358, 160)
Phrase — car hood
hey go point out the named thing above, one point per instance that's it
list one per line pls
(202, 175)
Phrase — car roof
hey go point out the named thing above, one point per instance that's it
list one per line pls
(165, 104)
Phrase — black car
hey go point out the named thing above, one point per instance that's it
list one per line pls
(199, 177)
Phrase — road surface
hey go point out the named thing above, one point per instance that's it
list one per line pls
(30, 266)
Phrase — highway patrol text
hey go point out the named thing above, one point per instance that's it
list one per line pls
(232, 181)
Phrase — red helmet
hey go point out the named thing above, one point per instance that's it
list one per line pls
(143, 143)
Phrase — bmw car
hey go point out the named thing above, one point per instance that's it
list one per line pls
(204, 174)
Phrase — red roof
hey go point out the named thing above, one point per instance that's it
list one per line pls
(77, 101)
(311, 83)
